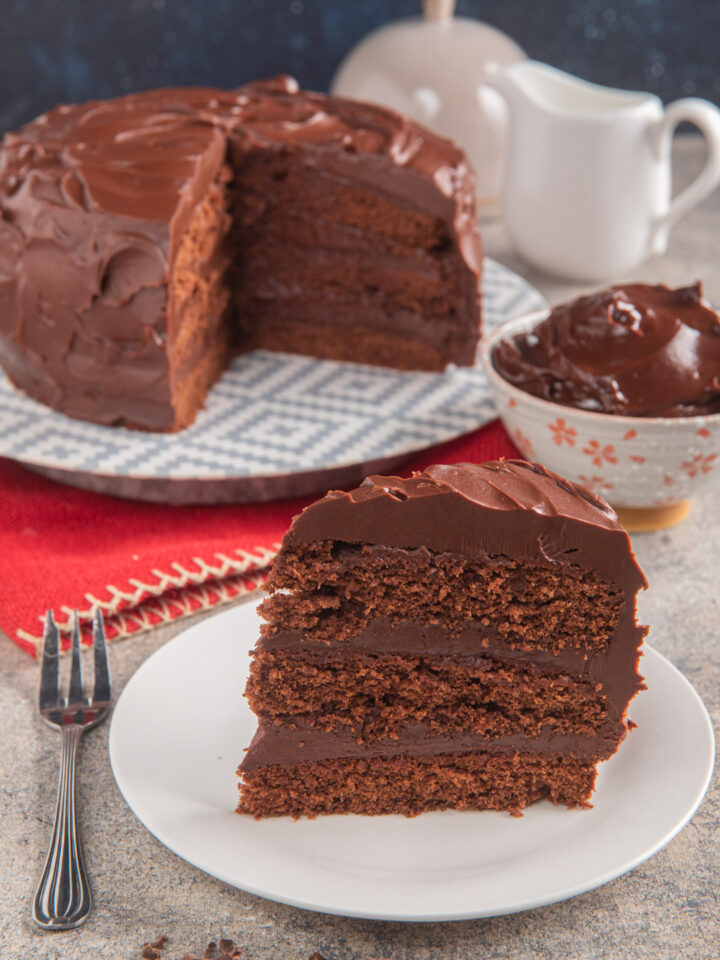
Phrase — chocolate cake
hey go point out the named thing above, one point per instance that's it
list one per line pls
(635, 349)
(465, 638)
(145, 241)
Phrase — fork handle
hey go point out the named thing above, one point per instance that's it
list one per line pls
(63, 899)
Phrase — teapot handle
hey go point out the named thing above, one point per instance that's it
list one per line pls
(705, 116)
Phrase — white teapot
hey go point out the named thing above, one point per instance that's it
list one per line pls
(588, 187)
(433, 68)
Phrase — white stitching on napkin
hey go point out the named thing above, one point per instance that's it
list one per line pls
(192, 591)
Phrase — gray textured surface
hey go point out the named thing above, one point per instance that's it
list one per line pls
(666, 908)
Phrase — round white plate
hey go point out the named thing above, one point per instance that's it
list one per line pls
(276, 414)
(178, 734)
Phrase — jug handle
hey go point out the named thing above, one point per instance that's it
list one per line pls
(705, 116)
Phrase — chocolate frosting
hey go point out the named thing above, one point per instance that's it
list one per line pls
(506, 507)
(287, 746)
(94, 201)
(632, 349)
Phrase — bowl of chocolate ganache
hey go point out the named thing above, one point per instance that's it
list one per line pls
(618, 390)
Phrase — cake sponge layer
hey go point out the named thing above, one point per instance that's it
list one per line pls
(374, 697)
(407, 785)
(336, 589)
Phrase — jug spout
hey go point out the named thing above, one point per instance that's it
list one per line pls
(546, 89)
(500, 79)
(520, 86)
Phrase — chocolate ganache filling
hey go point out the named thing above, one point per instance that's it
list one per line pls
(633, 349)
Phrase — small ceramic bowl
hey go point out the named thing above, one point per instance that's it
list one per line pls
(648, 468)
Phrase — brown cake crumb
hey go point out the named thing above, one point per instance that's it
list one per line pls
(223, 950)
(214, 951)
(152, 951)
(199, 298)
(374, 696)
(337, 589)
(410, 785)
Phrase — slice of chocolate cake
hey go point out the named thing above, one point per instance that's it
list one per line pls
(465, 638)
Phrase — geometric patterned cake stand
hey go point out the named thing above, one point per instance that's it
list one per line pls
(275, 425)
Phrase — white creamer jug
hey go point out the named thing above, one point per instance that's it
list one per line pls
(588, 186)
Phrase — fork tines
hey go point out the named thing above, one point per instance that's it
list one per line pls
(75, 696)
(50, 670)
(102, 667)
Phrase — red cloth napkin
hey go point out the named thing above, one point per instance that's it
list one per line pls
(142, 564)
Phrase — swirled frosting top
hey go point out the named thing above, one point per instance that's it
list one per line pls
(505, 507)
(157, 140)
(632, 349)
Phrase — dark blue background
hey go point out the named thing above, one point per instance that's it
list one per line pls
(74, 50)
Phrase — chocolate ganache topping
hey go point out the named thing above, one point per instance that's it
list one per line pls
(73, 154)
(632, 349)
(504, 507)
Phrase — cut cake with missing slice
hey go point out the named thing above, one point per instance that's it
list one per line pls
(462, 639)
(147, 240)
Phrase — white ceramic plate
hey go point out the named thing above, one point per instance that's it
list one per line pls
(179, 730)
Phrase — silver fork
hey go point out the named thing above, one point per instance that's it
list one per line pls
(63, 899)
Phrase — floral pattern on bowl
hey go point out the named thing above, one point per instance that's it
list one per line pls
(633, 462)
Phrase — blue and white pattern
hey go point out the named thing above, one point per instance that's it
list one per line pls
(275, 413)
